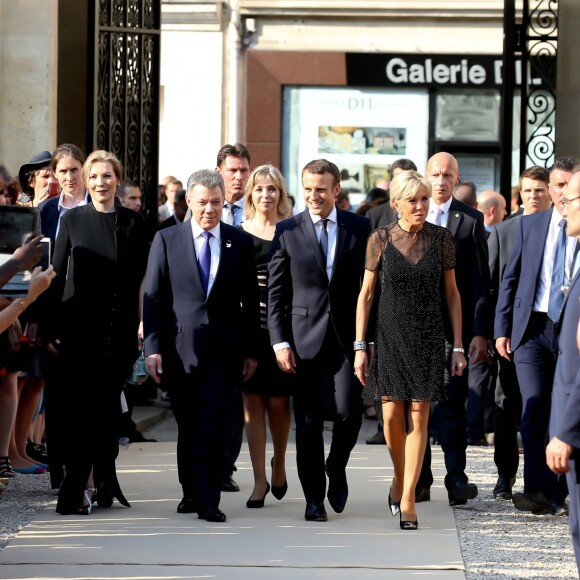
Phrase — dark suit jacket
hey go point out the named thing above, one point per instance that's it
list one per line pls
(49, 218)
(565, 415)
(381, 216)
(301, 300)
(518, 286)
(170, 221)
(500, 244)
(471, 270)
(179, 321)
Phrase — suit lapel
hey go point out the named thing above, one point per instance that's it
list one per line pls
(187, 250)
(573, 284)
(225, 254)
(454, 219)
(308, 229)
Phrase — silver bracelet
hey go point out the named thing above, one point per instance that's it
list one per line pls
(359, 345)
(458, 349)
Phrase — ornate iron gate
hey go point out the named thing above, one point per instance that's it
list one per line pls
(125, 95)
(536, 40)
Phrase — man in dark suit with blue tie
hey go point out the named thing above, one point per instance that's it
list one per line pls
(528, 309)
(472, 275)
(314, 280)
(535, 195)
(564, 447)
(201, 321)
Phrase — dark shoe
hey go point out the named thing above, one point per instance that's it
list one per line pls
(558, 509)
(394, 505)
(138, 437)
(315, 512)
(480, 442)
(187, 506)
(258, 503)
(337, 491)
(535, 502)
(422, 494)
(461, 492)
(407, 524)
(503, 488)
(210, 513)
(37, 451)
(377, 439)
(228, 484)
(278, 491)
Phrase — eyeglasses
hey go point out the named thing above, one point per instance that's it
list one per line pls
(567, 202)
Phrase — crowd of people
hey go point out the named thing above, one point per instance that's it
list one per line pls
(429, 302)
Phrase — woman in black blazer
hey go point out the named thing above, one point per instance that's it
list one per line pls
(100, 259)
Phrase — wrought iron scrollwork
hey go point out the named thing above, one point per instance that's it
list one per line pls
(540, 22)
(127, 89)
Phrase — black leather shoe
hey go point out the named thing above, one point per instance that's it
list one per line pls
(503, 488)
(422, 494)
(210, 513)
(377, 439)
(315, 512)
(559, 509)
(337, 491)
(461, 492)
(537, 503)
(187, 506)
(228, 484)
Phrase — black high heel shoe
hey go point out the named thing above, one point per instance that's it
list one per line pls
(88, 494)
(407, 524)
(258, 503)
(278, 491)
(394, 505)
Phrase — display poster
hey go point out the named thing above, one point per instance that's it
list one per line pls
(362, 131)
(481, 169)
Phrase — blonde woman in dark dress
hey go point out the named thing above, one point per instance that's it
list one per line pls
(269, 389)
(100, 259)
(413, 262)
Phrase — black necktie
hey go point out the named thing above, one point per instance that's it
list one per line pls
(323, 243)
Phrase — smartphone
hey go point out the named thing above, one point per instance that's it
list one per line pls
(53, 189)
(45, 261)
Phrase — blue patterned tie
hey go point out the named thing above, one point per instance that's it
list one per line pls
(556, 295)
(204, 261)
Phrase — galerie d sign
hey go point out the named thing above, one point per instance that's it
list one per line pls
(404, 70)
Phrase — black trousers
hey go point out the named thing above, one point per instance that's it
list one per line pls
(198, 400)
(326, 390)
(449, 421)
(508, 405)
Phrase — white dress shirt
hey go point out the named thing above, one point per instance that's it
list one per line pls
(433, 208)
(214, 246)
(542, 296)
(331, 228)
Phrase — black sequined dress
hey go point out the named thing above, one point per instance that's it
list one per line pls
(409, 356)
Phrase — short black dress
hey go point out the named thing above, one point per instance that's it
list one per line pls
(268, 379)
(409, 356)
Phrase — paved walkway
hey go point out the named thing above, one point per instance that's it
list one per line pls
(151, 541)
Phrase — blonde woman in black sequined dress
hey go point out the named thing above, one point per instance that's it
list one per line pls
(413, 263)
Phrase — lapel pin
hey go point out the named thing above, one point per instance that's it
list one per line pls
(456, 215)
(228, 244)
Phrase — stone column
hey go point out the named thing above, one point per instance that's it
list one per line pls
(28, 79)
(568, 83)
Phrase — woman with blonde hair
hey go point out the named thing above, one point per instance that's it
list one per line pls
(100, 259)
(413, 261)
(269, 389)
